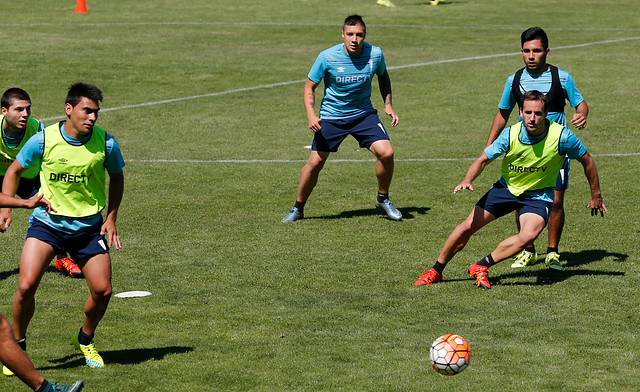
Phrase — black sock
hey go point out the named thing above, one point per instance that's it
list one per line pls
(42, 386)
(550, 249)
(22, 343)
(531, 248)
(84, 339)
(487, 261)
(439, 267)
(382, 197)
(300, 205)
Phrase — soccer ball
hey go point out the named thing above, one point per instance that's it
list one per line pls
(449, 354)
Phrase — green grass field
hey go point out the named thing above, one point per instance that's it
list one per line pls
(205, 100)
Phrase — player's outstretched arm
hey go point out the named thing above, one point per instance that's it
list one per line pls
(384, 82)
(116, 190)
(309, 98)
(473, 172)
(596, 203)
(579, 119)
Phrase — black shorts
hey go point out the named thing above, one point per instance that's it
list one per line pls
(27, 187)
(80, 246)
(366, 128)
(499, 202)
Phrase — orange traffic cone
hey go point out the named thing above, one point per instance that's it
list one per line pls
(81, 6)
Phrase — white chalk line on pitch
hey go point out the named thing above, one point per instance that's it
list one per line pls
(272, 85)
(206, 161)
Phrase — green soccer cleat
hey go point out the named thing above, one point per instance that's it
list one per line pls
(91, 356)
(6, 371)
(552, 261)
(524, 259)
(76, 387)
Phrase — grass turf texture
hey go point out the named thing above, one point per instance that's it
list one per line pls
(241, 302)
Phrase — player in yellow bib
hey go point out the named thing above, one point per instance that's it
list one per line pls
(534, 151)
(73, 156)
(17, 127)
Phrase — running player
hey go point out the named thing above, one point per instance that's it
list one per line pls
(73, 155)
(17, 127)
(347, 70)
(534, 152)
(559, 86)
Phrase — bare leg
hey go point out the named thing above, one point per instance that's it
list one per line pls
(383, 150)
(97, 272)
(309, 174)
(12, 357)
(461, 234)
(556, 219)
(530, 227)
(34, 260)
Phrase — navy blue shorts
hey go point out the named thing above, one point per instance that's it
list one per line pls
(499, 202)
(79, 246)
(562, 183)
(27, 187)
(366, 128)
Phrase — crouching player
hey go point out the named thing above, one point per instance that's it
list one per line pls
(74, 156)
(534, 151)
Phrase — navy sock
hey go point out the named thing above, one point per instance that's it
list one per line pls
(22, 343)
(42, 386)
(382, 197)
(300, 205)
(83, 338)
(487, 261)
(531, 249)
(550, 249)
(439, 267)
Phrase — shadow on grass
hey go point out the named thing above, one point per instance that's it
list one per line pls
(7, 274)
(407, 213)
(543, 276)
(121, 357)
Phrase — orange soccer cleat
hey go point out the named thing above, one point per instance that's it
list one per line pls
(480, 272)
(428, 277)
(68, 266)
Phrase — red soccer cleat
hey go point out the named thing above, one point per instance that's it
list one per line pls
(480, 272)
(67, 266)
(428, 277)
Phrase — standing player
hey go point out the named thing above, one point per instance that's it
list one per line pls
(74, 156)
(347, 70)
(10, 352)
(17, 127)
(534, 152)
(558, 85)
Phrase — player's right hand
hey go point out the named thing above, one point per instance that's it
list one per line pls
(314, 124)
(462, 186)
(5, 219)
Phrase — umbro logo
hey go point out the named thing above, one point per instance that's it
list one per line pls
(63, 160)
(341, 69)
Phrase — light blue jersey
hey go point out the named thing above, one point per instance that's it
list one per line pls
(569, 145)
(31, 154)
(542, 83)
(347, 80)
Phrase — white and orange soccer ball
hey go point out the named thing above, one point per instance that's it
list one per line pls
(449, 354)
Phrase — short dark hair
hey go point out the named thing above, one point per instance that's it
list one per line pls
(534, 33)
(83, 90)
(354, 20)
(12, 94)
(535, 95)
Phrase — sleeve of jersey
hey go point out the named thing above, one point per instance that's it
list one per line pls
(382, 65)
(507, 101)
(31, 152)
(499, 146)
(113, 162)
(317, 70)
(570, 145)
(570, 88)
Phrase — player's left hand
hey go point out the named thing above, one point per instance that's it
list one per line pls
(109, 227)
(388, 109)
(597, 206)
(579, 120)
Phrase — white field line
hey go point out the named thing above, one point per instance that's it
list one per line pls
(208, 161)
(272, 85)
